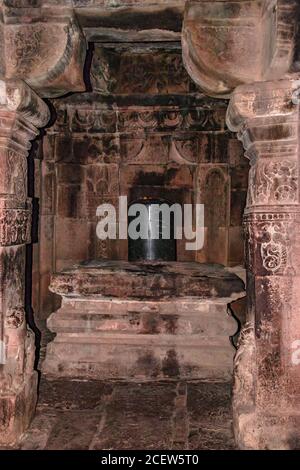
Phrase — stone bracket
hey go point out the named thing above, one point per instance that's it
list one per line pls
(226, 44)
(47, 53)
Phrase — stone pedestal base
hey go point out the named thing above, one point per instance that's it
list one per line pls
(264, 431)
(265, 416)
(116, 337)
(17, 410)
(123, 339)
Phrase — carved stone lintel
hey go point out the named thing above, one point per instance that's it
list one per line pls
(96, 119)
(139, 70)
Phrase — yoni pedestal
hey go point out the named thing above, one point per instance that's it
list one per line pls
(147, 320)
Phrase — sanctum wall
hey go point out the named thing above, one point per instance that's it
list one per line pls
(145, 129)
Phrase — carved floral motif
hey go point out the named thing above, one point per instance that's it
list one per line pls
(86, 120)
(15, 226)
(125, 71)
(99, 120)
(184, 150)
(17, 173)
(274, 182)
(102, 179)
(274, 250)
(15, 317)
(24, 52)
(269, 242)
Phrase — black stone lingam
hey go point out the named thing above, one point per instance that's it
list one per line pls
(155, 246)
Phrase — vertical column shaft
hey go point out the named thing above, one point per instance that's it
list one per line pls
(21, 112)
(267, 369)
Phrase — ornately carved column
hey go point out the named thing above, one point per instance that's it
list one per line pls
(21, 113)
(267, 365)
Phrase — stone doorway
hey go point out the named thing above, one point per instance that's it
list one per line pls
(135, 322)
(161, 141)
(152, 115)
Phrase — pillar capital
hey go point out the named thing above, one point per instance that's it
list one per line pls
(17, 97)
(229, 43)
(261, 102)
(43, 45)
(265, 116)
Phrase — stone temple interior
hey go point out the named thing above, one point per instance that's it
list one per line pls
(113, 343)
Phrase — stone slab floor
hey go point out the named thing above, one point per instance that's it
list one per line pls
(110, 415)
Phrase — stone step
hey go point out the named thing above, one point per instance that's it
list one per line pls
(109, 338)
(146, 356)
(183, 316)
(148, 280)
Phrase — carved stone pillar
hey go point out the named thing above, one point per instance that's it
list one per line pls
(267, 365)
(21, 113)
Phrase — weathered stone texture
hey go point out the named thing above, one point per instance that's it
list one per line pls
(121, 319)
(97, 415)
(226, 44)
(155, 280)
(140, 146)
(28, 35)
(21, 111)
(147, 129)
(266, 394)
(127, 70)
